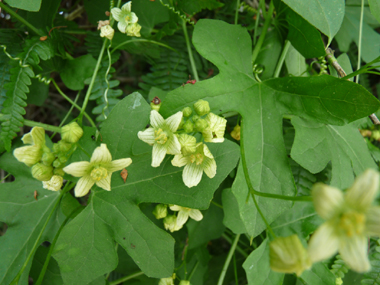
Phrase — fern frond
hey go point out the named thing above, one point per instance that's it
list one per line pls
(20, 74)
(373, 277)
(339, 268)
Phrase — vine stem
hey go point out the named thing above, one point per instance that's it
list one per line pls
(195, 73)
(21, 19)
(37, 124)
(360, 40)
(237, 11)
(282, 59)
(238, 248)
(228, 259)
(67, 188)
(142, 41)
(126, 278)
(260, 42)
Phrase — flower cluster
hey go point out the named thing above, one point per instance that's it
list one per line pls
(47, 165)
(350, 218)
(176, 222)
(127, 20)
(175, 135)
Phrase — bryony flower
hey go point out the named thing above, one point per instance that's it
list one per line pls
(184, 214)
(350, 219)
(197, 162)
(107, 32)
(161, 136)
(98, 171)
(215, 130)
(170, 223)
(124, 16)
(54, 184)
(288, 255)
(166, 281)
(32, 153)
(133, 30)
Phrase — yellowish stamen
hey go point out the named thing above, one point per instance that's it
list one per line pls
(127, 18)
(99, 173)
(160, 136)
(352, 223)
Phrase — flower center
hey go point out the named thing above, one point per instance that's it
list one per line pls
(160, 136)
(197, 158)
(99, 173)
(352, 223)
(127, 18)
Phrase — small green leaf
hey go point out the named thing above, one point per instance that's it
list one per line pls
(29, 5)
(319, 274)
(232, 219)
(295, 63)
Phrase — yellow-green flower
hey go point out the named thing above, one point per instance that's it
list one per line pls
(98, 171)
(54, 184)
(107, 31)
(161, 136)
(166, 281)
(133, 30)
(184, 214)
(350, 219)
(170, 223)
(196, 162)
(32, 153)
(215, 131)
(124, 16)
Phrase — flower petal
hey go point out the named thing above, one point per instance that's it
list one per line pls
(105, 183)
(209, 167)
(179, 160)
(362, 193)
(122, 26)
(118, 164)
(172, 145)
(173, 121)
(147, 136)
(78, 169)
(127, 7)
(195, 214)
(27, 139)
(373, 221)
(29, 155)
(192, 175)
(156, 120)
(175, 208)
(158, 154)
(327, 200)
(83, 186)
(38, 135)
(207, 152)
(182, 217)
(323, 243)
(134, 19)
(353, 251)
(101, 154)
(116, 13)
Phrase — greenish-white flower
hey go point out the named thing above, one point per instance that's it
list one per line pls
(170, 223)
(188, 144)
(124, 16)
(107, 31)
(288, 255)
(133, 30)
(350, 219)
(215, 130)
(54, 184)
(32, 153)
(98, 171)
(195, 164)
(161, 136)
(184, 214)
(72, 132)
(166, 281)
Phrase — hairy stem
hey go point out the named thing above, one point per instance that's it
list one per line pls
(228, 259)
(193, 67)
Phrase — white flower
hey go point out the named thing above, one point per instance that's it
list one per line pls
(107, 32)
(54, 184)
(98, 171)
(184, 214)
(124, 16)
(32, 153)
(161, 136)
(350, 219)
(197, 162)
(166, 281)
(133, 30)
(215, 130)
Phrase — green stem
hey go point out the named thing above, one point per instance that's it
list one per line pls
(282, 59)
(216, 204)
(21, 19)
(237, 11)
(52, 245)
(360, 40)
(228, 259)
(142, 41)
(67, 187)
(126, 278)
(193, 270)
(37, 124)
(73, 103)
(256, 24)
(260, 42)
(238, 248)
(193, 67)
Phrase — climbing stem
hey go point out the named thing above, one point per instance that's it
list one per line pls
(280, 62)
(360, 40)
(191, 58)
(126, 278)
(228, 259)
(37, 124)
(237, 11)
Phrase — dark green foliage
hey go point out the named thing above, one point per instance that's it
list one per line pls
(339, 268)
(373, 277)
(20, 74)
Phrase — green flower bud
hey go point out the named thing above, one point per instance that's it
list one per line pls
(59, 172)
(202, 107)
(47, 158)
(187, 112)
(188, 144)
(56, 148)
(42, 172)
(236, 133)
(64, 146)
(188, 127)
(155, 107)
(170, 223)
(29, 155)
(160, 211)
(195, 118)
(62, 158)
(184, 282)
(201, 125)
(71, 133)
(54, 184)
(58, 164)
(376, 135)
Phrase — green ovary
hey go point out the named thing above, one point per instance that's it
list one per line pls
(99, 173)
(160, 136)
(352, 223)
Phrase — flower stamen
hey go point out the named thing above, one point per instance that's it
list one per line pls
(99, 173)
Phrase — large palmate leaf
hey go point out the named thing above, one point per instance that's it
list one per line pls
(24, 216)
(115, 215)
(316, 144)
(262, 105)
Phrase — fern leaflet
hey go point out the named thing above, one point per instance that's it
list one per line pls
(373, 277)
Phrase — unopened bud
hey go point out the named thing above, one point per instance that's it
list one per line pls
(188, 144)
(187, 111)
(107, 31)
(170, 223)
(47, 158)
(54, 184)
(236, 133)
(202, 107)
(59, 172)
(58, 164)
(62, 158)
(155, 107)
(188, 127)
(201, 125)
(42, 172)
(72, 132)
(376, 135)
(160, 211)
(184, 282)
